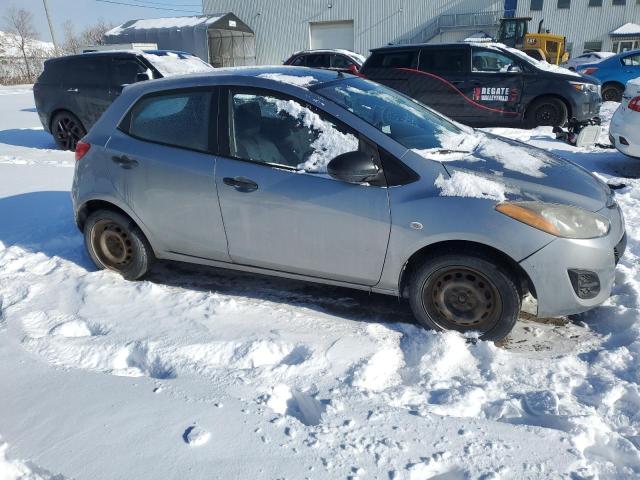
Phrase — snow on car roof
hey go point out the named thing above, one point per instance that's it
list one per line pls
(349, 53)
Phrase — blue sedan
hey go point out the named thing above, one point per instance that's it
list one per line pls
(614, 73)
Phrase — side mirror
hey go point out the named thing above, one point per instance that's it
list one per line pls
(141, 77)
(353, 69)
(353, 167)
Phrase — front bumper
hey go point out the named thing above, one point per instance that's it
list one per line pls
(586, 105)
(622, 127)
(549, 268)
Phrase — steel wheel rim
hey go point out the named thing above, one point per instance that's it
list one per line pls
(112, 244)
(462, 298)
(68, 132)
(546, 114)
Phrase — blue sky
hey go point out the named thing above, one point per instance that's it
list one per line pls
(86, 12)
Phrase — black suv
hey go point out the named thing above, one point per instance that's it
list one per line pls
(334, 59)
(485, 85)
(73, 91)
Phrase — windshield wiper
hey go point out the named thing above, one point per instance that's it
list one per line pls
(446, 151)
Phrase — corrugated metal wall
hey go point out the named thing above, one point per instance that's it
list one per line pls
(282, 26)
(581, 23)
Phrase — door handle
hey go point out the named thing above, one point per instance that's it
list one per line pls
(124, 162)
(241, 184)
(72, 90)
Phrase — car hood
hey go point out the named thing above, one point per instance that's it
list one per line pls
(529, 173)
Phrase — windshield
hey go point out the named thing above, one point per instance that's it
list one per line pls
(405, 120)
(175, 63)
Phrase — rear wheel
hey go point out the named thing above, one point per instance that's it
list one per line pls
(67, 130)
(612, 92)
(466, 293)
(116, 243)
(547, 111)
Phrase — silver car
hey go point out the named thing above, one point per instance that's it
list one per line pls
(326, 177)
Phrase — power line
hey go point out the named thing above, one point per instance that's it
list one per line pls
(143, 6)
(149, 2)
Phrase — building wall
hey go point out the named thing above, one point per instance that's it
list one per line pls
(581, 23)
(282, 26)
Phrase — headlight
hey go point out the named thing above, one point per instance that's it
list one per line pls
(584, 87)
(558, 220)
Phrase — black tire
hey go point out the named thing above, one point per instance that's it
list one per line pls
(67, 130)
(547, 112)
(612, 92)
(115, 242)
(465, 292)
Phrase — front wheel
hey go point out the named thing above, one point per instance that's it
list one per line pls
(465, 293)
(115, 242)
(547, 112)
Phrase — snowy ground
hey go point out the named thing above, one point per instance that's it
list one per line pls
(202, 373)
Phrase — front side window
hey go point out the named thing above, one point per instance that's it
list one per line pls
(177, 119)
(631, 61)
(403, 119)
(268, 128)
(490, 61)
(298, 61)
(125, 71)
(340, 61)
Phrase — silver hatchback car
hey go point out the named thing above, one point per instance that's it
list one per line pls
(326, 177)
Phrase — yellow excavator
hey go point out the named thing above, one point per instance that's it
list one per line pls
(514, 32)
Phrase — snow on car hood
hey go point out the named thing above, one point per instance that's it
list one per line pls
(525, 173)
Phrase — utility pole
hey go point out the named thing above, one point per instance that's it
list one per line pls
(53, 38)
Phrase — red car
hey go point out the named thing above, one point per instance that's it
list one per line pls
(336, 59)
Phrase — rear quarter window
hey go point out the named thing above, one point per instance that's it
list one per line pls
(393, 59)
(178, 119)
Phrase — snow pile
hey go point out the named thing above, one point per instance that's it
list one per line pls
(330, 141)
(196, 436)
(464, 184)
(304, 81)
(9, 47)
(169, 64)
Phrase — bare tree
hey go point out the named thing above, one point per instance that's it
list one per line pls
(92, 35)
(19, 23)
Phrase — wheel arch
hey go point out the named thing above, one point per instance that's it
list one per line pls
(56, 111)
(523, 281)
(615, 83)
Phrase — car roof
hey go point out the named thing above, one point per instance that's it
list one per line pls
(103, 53)
(410, 46)
(281, 74)
(353, 55)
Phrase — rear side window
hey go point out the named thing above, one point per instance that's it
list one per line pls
(340, 61)
(87, 72)
(453, 60)
(175, 119)
(298, 61)
(631, 61)
(318, 60)
(394, 59)
(52, 74)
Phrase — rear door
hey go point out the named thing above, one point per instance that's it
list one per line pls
(493, 89)
(281, 210)
(162, 167)
(440, 77)
(86, 85)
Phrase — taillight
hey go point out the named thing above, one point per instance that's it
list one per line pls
(81, 149)
(634, 104)
(589, 70)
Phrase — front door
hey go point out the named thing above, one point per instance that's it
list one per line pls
(281, 210)
(493, 88)
(161, 167)
(439, 79)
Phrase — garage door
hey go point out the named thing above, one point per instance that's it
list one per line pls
(331, 35)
